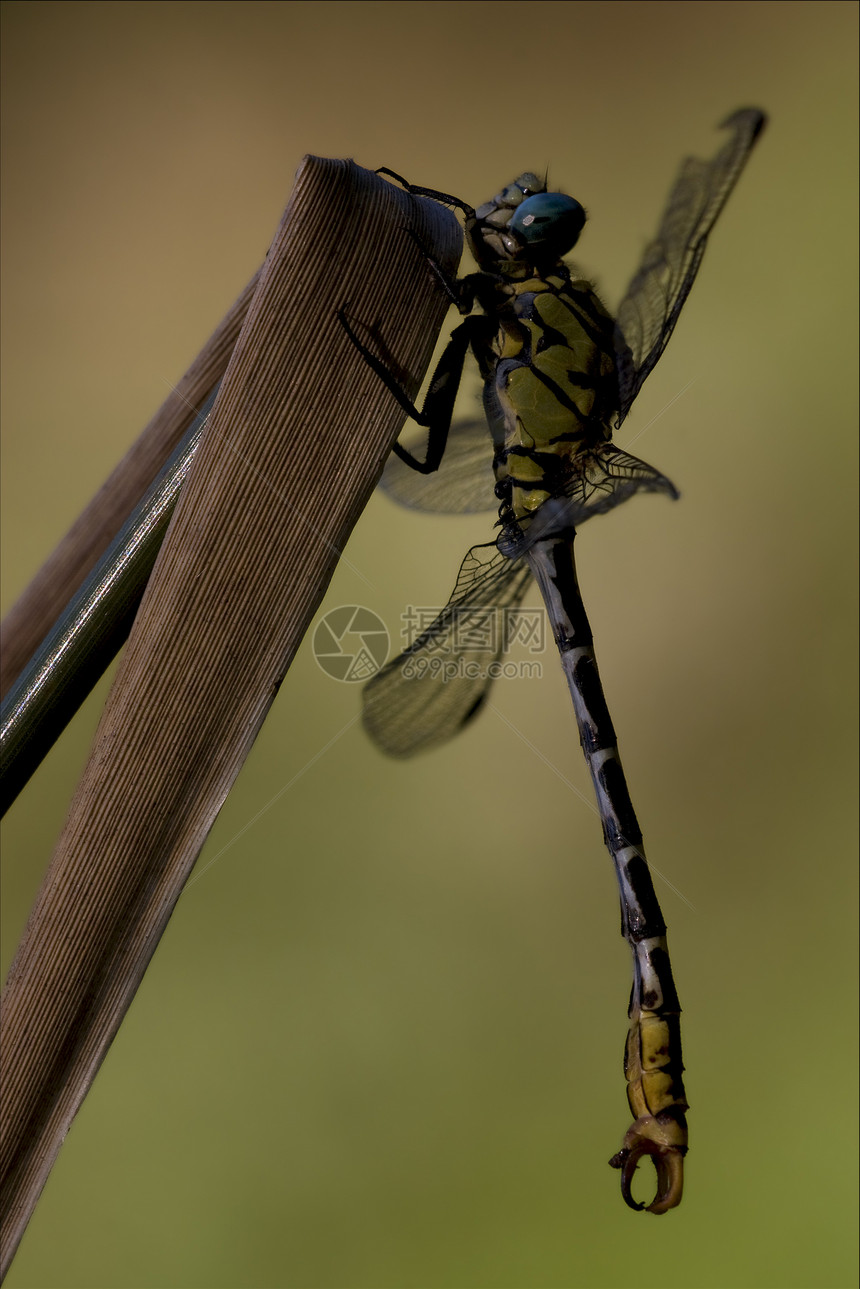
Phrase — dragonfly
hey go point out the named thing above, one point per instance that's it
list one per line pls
(559, 375)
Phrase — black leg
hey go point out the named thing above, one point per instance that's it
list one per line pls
(438, 407)
(443, 198)
(451, 286)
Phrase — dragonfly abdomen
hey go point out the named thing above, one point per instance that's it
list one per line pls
(653, 1062)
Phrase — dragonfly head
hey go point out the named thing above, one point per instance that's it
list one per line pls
(548, 224)
(525, 224)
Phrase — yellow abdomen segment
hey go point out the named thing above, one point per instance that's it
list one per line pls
(652, 1064)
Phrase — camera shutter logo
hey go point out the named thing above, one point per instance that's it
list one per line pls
(351, 643)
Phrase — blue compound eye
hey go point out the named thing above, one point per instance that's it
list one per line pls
(549, 222)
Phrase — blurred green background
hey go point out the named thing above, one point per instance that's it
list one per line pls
(380, 1043)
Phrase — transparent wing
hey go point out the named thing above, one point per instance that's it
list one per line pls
(600, 479)
(647, 315)
(464, 482)
(438, 684)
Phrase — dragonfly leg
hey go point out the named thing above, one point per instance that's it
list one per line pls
(456, 289)
(652, 1065)
(444, 198)
(438, 407)
(462, 292)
